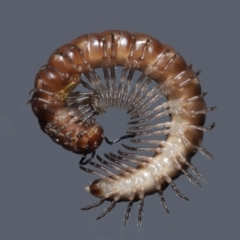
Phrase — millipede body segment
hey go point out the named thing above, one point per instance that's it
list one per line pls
(68, 117)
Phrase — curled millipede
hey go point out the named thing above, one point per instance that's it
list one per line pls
(68, 117)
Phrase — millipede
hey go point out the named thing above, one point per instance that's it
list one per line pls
(162, 150)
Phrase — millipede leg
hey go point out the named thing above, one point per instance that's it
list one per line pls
(178, 192)
(107, 210)
(85, 161)
(93, 205)
(140, 213)
(163, 201)
(128, 212)
(132, 135)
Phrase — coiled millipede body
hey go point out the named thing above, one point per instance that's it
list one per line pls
(68, 117)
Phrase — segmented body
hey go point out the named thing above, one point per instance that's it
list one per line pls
(67, 117)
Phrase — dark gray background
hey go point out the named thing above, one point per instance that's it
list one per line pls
(42, 188)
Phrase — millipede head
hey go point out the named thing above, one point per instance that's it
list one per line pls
(90, 140)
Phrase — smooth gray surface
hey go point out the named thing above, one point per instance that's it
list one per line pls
(42, 188)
